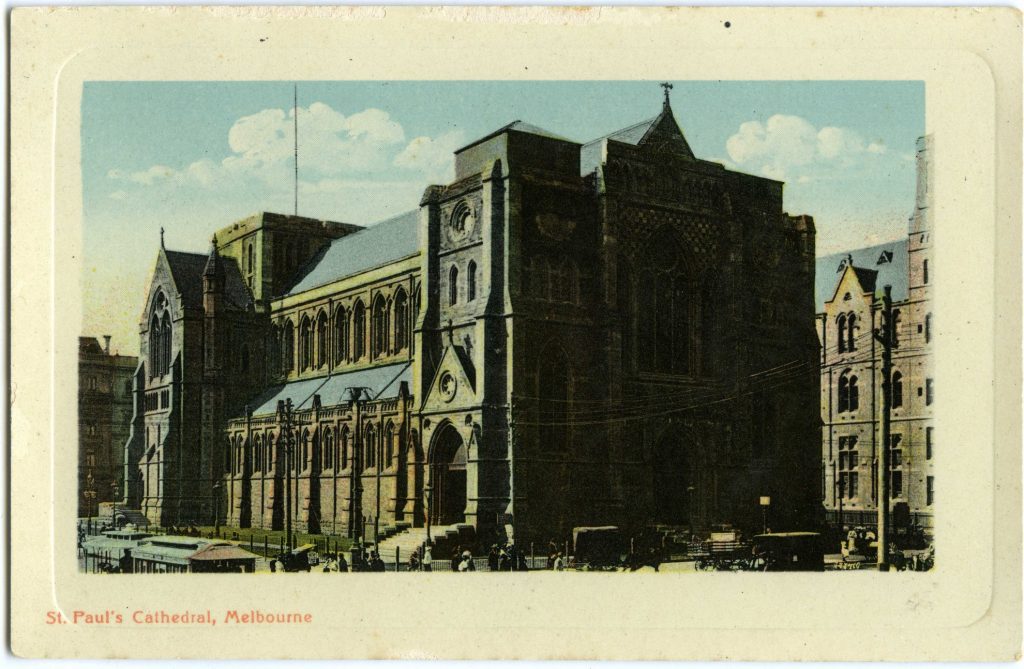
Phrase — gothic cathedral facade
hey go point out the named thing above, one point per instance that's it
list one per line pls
(567, 334)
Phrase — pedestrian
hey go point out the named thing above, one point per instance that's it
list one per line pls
(342, 563)
(559, 562)
(428, 559)
(504, 561)
(414, 562)
(467, 562)
(492, 558)
(456, 559)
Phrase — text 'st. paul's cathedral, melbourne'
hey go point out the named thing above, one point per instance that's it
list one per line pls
(610, 333)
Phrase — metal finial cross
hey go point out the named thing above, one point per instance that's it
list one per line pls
(161, 236)
(668, 87)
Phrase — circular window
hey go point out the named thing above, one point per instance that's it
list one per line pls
(447, 386)
(462, 222)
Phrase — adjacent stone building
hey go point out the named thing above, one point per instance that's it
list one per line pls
(567, 334)
(104, 418)
(850, 288)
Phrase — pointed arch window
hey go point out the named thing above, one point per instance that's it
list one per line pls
(303, 463)
(328, 448)
(274, 347)
(305, 344)
(471, 281)
(453, 285)
(369, 447)
(341, 327)
(288, 354)
(841, 332)
(401, 321)
(896, 328)
(897, 390)
(849, 392)
(851, 326)
(343, 439)
(665, 297)
(389, 445)
(380, 327)
(249, 260)
(554, 388)
(358, 331)
(160, 337)
(321, 340)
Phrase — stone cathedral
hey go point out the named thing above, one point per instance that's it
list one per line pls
(608, 333)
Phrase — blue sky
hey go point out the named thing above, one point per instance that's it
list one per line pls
(194, 156)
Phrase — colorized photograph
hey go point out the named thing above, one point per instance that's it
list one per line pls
(473, 326)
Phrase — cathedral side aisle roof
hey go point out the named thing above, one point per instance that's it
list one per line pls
(380, 244)
(889, 261)
(333, 390)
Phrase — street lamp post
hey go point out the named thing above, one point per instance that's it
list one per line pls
(288, 470)
(113, 501)
(428, 489)
(766, 501)
(216, 509)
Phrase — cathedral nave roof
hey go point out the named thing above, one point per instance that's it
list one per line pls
(380, 244)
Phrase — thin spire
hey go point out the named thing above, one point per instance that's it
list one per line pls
(162, 237)
(668, 87)
(295, 113)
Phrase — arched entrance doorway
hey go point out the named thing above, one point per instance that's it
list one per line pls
(673, 481)
(448, 478)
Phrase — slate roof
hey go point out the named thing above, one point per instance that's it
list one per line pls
(333, 390)
(894, 271)
(187, 272)
(377, 245)
(517, 126)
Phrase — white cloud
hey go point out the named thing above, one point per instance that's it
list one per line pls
(262, 148)
(433, 156)
(786, 146)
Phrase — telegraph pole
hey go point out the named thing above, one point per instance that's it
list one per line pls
(885, 336)
(288, 471)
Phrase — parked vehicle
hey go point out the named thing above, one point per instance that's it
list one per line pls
(297, 559)
(598, 547)
(788, 551)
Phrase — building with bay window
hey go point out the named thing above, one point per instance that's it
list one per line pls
(849, 291)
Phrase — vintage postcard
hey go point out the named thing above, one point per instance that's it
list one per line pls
(681, 347)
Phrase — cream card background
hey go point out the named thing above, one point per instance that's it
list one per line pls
(968, 608)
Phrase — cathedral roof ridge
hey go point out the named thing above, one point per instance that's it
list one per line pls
(517, 126)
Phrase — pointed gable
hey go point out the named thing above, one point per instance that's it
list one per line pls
(186, 270)
(454, 383)
(187, 274)
(661, 133)
(664, 134)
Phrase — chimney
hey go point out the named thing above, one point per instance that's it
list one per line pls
(106, 344)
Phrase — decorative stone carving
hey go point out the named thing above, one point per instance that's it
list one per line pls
(554, 226)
